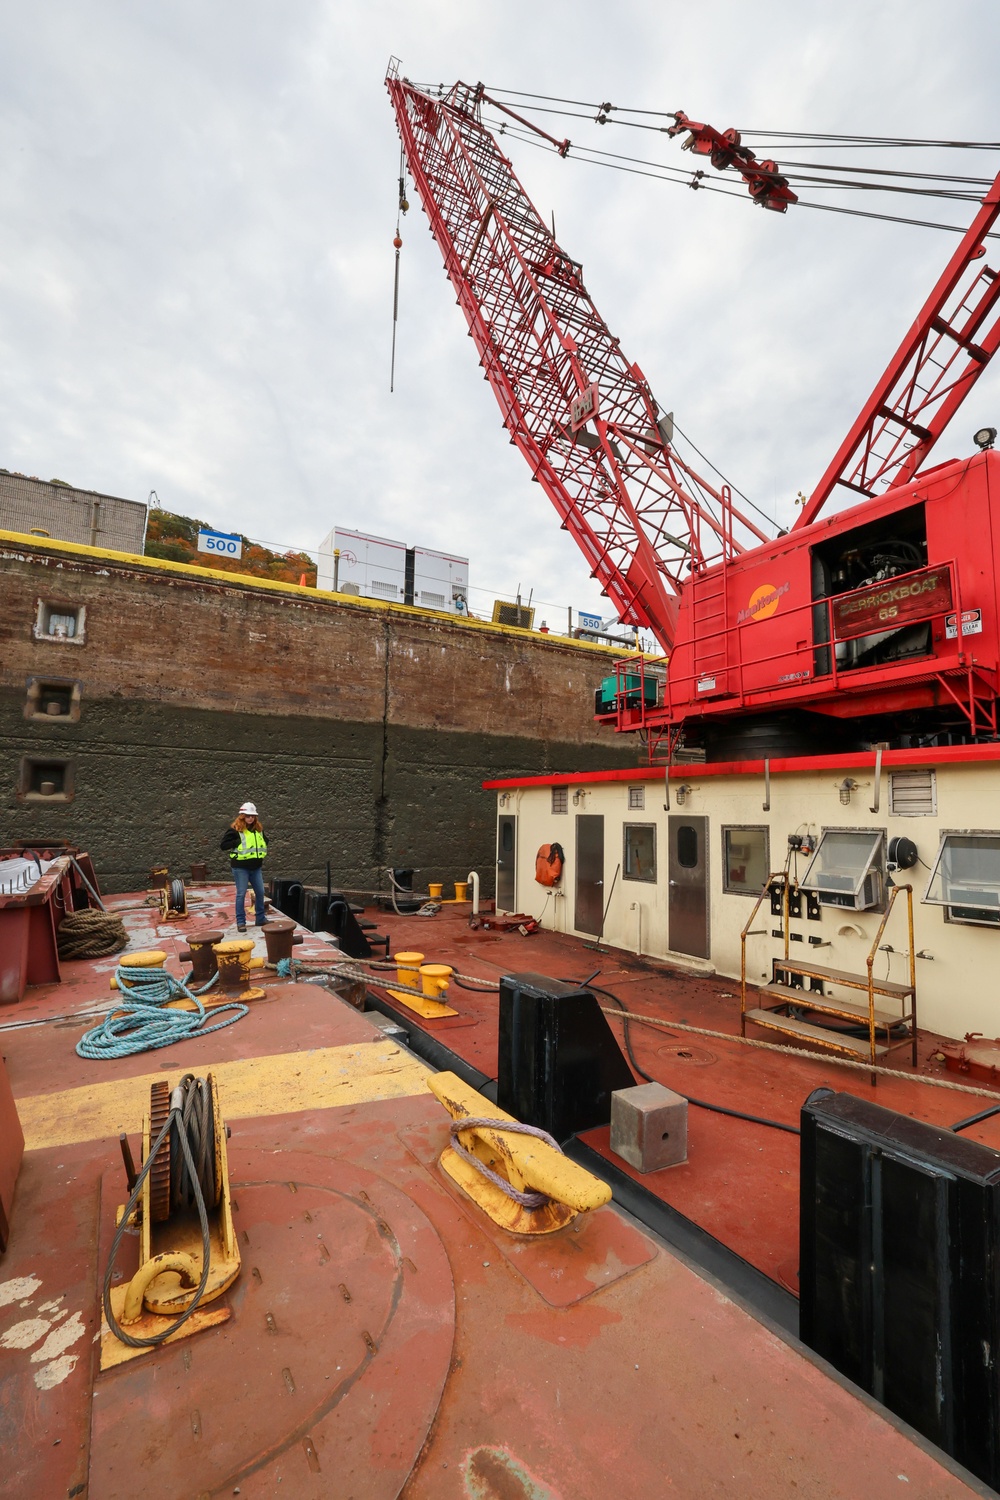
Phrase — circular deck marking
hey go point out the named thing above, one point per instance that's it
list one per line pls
(329, 1373)
(699, 1057)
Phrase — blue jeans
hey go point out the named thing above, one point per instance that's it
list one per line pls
(253, 879)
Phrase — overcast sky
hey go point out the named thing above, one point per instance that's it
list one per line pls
(198, 205)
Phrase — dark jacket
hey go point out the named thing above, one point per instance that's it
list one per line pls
(231, 840)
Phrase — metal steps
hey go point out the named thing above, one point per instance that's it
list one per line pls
(828, 1004)
(779, 997)
(857, 1046)
(842, 976)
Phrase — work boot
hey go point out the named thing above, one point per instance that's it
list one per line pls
(241, 927)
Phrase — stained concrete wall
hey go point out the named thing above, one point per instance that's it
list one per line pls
(363, 732)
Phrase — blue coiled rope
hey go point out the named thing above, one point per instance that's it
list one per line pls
(139, 1022)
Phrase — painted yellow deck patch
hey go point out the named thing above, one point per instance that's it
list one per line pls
(326, 1078)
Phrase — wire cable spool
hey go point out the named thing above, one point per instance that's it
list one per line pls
(186, 1142)
(173, 901)
(90, 934)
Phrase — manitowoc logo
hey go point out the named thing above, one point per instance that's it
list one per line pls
(763, 602)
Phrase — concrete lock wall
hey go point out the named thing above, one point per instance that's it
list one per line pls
(362, 731)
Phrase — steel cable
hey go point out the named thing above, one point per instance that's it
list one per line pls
(174, 1124)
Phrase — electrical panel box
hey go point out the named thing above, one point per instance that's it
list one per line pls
(899, 1270)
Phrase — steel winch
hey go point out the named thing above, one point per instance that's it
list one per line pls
(180, 1204)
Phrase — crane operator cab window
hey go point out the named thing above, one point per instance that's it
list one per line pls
(876, 597)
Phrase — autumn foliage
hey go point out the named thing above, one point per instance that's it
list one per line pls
(175, 538)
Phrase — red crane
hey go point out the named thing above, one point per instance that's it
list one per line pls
(751, 624)
(581, 413)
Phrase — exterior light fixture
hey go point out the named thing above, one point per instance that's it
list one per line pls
(845, 788)
(683, 792)
(985, 437)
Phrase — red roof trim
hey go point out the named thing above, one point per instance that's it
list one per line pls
(860, 760)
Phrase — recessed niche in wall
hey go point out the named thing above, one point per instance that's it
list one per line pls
(57, 621)
(53, 698)
(43, 778)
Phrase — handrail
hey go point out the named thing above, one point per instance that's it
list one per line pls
(873, 950)
(684, 682)
(786, 882)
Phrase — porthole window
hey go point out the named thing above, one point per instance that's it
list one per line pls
(687, 846)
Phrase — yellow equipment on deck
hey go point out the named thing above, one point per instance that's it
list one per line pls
(524, 1182)
(180, 1202)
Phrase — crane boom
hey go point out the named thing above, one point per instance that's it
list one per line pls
(583, 416)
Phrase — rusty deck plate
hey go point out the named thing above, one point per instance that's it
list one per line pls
(470, 1367)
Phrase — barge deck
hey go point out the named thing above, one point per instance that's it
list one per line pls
(384, 1337)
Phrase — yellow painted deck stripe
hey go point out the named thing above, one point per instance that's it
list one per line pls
(249, 1088)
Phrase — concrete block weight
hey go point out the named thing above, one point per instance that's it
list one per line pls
(649, 1127)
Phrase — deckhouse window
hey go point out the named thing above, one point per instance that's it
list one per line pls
(745, 861)
(640, 852)
(965, 878)
(560, 799)
(848, 868)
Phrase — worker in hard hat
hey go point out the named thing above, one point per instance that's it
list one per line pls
(246, 846)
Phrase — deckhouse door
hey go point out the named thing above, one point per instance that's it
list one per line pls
(687, 872)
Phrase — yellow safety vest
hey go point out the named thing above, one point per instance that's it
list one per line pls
(252, 845)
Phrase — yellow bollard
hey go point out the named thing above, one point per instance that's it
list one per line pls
(434, 979)
(408, 968)
(152, 958)
(434, 889)
(461, 891)
(235, 962)
(411, 970)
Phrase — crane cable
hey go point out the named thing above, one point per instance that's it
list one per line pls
(699, 178)
(832, 139)
(401, 208)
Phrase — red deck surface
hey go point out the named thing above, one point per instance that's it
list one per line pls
(385, 1338)
(741, 1180)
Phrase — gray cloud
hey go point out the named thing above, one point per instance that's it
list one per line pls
(196, 278)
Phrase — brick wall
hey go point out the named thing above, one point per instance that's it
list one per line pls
(362, 732)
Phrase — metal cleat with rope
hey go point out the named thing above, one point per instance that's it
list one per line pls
(517, 1174)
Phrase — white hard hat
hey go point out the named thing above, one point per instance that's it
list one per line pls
(249, 809)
